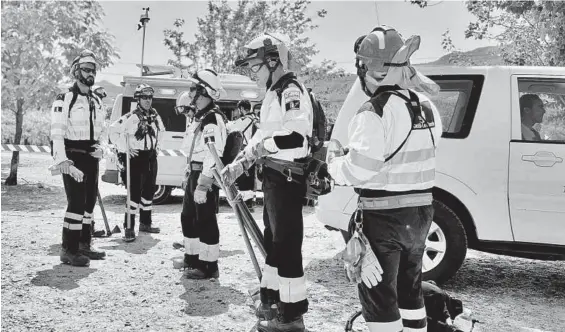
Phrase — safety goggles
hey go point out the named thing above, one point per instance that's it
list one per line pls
(88, 70)
(256, 67)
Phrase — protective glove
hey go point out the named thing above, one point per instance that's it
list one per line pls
(231, 172)
(186, 173)
(204, 184)
(371, 270)
(263, 148)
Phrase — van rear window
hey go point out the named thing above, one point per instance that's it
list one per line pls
(457, 102)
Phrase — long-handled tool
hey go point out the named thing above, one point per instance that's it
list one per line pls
(245, 219)
(128, 189)
(108, 232)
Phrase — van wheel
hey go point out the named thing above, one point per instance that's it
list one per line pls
(162, 194)
(446, 245)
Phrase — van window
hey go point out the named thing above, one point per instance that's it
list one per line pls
(542, 109)
(166, 110)
(457, 102)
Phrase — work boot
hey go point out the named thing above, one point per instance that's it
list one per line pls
(74, 259)
(96, 233)
(148, 229)
(129, 235)
(204, 271)
(266, 311)
(86, 249)
(280, 324)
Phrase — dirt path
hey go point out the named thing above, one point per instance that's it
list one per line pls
(136, 288)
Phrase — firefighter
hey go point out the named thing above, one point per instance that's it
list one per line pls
(77, 136)
(280, 145)
(199, 207)
(245, 122)
(391, 163)
(143, 129)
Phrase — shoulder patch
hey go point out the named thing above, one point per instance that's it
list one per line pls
(291, 98)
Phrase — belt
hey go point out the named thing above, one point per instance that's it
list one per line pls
(196, 166)
(395, 202)
(285, 167)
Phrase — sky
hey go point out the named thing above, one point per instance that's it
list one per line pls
(334, 38)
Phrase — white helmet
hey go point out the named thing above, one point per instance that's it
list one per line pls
(208, 83)
(184, 103)
(269, 46)
(377, 49)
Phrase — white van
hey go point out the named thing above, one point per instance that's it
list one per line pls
(171, 166)
(494, 191)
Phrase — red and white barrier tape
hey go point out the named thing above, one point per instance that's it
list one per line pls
(46, 149)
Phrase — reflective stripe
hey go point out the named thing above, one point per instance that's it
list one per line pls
(88, 214)
(412, 156)
(270, 278)
(381, 37)
(57, 136)
(72, 227)
(146, 208)
(292, 290)
(132, 205)
(59, 126)
(352, 180)
(394, 202)
(365, 162)
(411, 178)
(191, 246)
(412, 329)
(80, 123)
(413, 314)
(87, 220)
(209, 252)
(395, 326)
(73, 216)
(146, 201)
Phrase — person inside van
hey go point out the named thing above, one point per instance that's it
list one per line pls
(199, 206)
(532, 111)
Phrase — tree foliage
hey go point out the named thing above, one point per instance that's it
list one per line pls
(228, 26)
(39, 41)
(529, 33)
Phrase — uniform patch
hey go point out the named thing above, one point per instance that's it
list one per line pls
(291, 95)
(292, 105)
(58, 109)
(427, 117)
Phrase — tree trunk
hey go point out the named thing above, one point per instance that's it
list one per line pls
(12, 179)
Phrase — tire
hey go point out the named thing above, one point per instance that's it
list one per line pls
(162, 194)
(447, 233)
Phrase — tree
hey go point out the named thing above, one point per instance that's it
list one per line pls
(529, 33)
(224, 31)
(39, 41)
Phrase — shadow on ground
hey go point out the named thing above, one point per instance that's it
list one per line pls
(208, 298)
(63, 277)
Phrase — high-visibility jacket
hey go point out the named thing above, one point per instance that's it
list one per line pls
(205, 125)
(75, 117)
(376, 132)
(288, 120)
(143, 128)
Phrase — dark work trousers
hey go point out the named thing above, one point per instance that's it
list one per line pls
(143, 174)
(200, 226)
(398, 238)
(283, 275)
(81, 199)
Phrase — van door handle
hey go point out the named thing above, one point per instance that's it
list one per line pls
(178, 136)
(543, 159)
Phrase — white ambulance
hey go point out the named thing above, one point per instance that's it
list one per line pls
(172, 163)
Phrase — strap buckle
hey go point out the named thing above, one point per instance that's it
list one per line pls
(289, 176)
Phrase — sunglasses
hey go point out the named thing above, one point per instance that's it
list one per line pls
(146, 97)
(255, 68)
(88, 70)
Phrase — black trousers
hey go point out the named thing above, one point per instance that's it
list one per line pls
(247, 182)
(143, 175)
(398, 238)
(81, 199)
(283, 275)
(200, 226)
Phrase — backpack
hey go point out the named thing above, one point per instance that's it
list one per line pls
(319, 128)
(234, 140)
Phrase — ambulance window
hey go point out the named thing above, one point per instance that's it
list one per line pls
(457, 102)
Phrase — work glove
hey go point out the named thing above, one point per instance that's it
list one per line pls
(66, 167)
(204, 184)
(186, 173)
(335, 149)
(361, 264)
